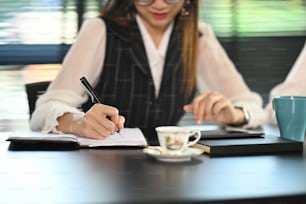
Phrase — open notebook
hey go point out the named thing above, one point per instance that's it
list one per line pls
(126, 137)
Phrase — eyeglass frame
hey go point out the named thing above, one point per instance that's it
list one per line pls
(150, 2)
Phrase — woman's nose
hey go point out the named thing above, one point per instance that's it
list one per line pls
(159, 4)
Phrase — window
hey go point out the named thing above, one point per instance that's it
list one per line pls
(41, 31)
(253, 18)
(37, 22)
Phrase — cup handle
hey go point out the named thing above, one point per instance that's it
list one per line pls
(197, 134)
(273, 104)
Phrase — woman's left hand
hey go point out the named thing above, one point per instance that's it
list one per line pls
(215, 107)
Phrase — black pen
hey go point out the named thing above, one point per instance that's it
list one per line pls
(91, 92)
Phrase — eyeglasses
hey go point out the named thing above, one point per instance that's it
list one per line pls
(150, 2)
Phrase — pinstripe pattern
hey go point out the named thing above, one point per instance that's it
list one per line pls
(127, 84)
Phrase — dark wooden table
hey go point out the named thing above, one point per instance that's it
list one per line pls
(129, 176)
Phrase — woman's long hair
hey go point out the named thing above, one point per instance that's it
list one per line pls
(123, 11)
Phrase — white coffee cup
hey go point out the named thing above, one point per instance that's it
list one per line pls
(175, 139)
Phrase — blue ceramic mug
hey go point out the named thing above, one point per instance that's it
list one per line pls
(291, 116)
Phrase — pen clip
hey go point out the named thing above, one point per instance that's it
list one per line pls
(89, 94)
(90, 91)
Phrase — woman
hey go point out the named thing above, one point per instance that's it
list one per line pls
(293, 85)
(146, 58)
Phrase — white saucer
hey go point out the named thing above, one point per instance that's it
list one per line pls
(186, 155)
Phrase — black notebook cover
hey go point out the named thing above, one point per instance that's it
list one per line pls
(249, 146)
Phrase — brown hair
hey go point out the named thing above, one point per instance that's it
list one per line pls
(123, 11)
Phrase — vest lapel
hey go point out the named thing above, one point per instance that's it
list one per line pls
(131, 35)
(173, 57)
(137, 46)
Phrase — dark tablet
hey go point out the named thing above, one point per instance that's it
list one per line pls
(212, 131)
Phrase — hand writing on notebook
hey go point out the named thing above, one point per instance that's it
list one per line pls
(99, 122)
(216, 108)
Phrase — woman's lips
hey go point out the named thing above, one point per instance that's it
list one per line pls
(159, 15)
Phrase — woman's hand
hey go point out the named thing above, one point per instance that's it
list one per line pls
(98, 122)
(215, 107)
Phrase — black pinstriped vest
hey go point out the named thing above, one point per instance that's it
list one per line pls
(126, 81)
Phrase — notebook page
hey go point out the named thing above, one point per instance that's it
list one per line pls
(126, 137)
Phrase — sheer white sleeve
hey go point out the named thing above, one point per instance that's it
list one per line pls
(85, 58)
(216, 72)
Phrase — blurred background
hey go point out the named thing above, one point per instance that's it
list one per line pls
(262, 37)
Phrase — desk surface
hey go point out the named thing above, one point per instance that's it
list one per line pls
(128, 176)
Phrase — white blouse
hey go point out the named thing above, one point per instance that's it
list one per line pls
(215, 72)
(293, 85)
(156, 55)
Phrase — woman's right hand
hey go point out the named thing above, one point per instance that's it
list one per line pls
(98, 122)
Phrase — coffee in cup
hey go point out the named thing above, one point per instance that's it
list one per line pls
(174, 139)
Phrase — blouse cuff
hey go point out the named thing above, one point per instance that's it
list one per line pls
(51, 121)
